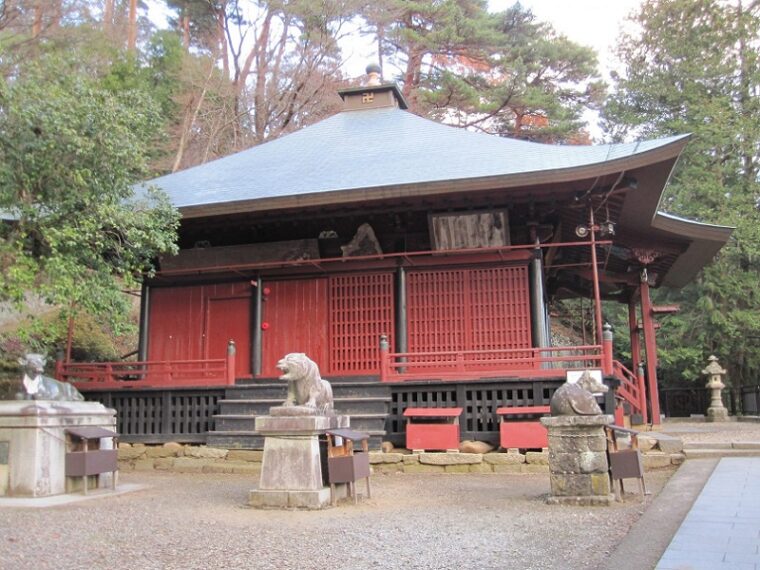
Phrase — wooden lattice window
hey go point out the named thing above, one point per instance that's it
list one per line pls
(361, 309)
(469, 310)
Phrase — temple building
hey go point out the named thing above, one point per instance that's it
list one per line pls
(414, 262)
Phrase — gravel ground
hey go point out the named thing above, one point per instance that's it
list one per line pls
(189, 521)
(703, 432)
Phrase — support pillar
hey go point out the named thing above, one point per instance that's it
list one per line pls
(256, 333)
(401, 330)
(633, 327)
(595, 276)
(650, 345)
(541, 338)
(142, 343)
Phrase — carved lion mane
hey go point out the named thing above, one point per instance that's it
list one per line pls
(305, 385)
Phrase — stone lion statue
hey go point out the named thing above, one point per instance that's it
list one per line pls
(38, 387)
(577, 399)
(306, 389)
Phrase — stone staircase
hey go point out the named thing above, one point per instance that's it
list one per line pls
(365, 400)
(704, 450)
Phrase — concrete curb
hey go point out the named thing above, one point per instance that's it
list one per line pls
(650, 536)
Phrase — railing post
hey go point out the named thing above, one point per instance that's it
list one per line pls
(607, 350)
(384, 364)
(59, 369)
(109, 373)
(230, 368)
(460, 363)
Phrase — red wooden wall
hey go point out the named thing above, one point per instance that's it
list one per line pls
(337, 320)
(294, 319)
(468, 309)
(195, 323)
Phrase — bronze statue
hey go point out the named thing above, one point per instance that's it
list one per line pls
(38, 387)
(577, 399)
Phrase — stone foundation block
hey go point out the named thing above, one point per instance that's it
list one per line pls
(450, 458)
(204, 452)
(564, 462)
(593, 462)
(159, 451)
(247, 468)
(562, 441)
(190, 464)
(481, 468)
(128, 453)
(582, 501)
(656, 460)
(537, 457)
(388, 468)
(597, 443)
(504, 458)
(600, 484)
(570, 485)
(375, 457)
(463, 468)
(677, 458)
(418, 468)
(272, 499)
(143, 465)
(164, 464)
(646, 443)
(507, 468)
(250, 455)
(669, 444)
(411, 458)
(534, 468)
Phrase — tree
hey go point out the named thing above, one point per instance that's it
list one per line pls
(503, 73)
(74, 230)
(692, 66)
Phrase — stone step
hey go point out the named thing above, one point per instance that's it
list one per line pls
(713, 453)
(343, 405)
(722, 445)
(247, 422)
(279, 390)
(244, 439)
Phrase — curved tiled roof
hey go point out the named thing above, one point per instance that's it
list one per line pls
(374, 149)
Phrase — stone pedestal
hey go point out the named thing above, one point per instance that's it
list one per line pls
(578, 465)
(33, 444)
(291, 469)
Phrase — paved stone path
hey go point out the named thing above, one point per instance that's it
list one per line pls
(722, 529)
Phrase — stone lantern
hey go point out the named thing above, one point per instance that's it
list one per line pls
(717, 411)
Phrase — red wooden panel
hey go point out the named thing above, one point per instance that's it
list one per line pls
(361, 309)
(432, 436)
(523, 435)
(175, 326)
(230, 318)
(511, 411)
(437, 311)
(484, 309)
(295, 317)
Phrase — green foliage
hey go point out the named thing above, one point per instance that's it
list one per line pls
(693, 67)
(504, 73)
(70, 148)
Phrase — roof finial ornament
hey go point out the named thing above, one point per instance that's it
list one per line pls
(374, 75)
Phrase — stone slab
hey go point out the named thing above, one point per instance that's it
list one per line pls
(504, 458)
(577, 421)
(582, 501)
(298, 425)
(282, 499)
(58, 500)
(450, 458)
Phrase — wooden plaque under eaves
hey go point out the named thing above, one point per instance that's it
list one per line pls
(469, 230)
